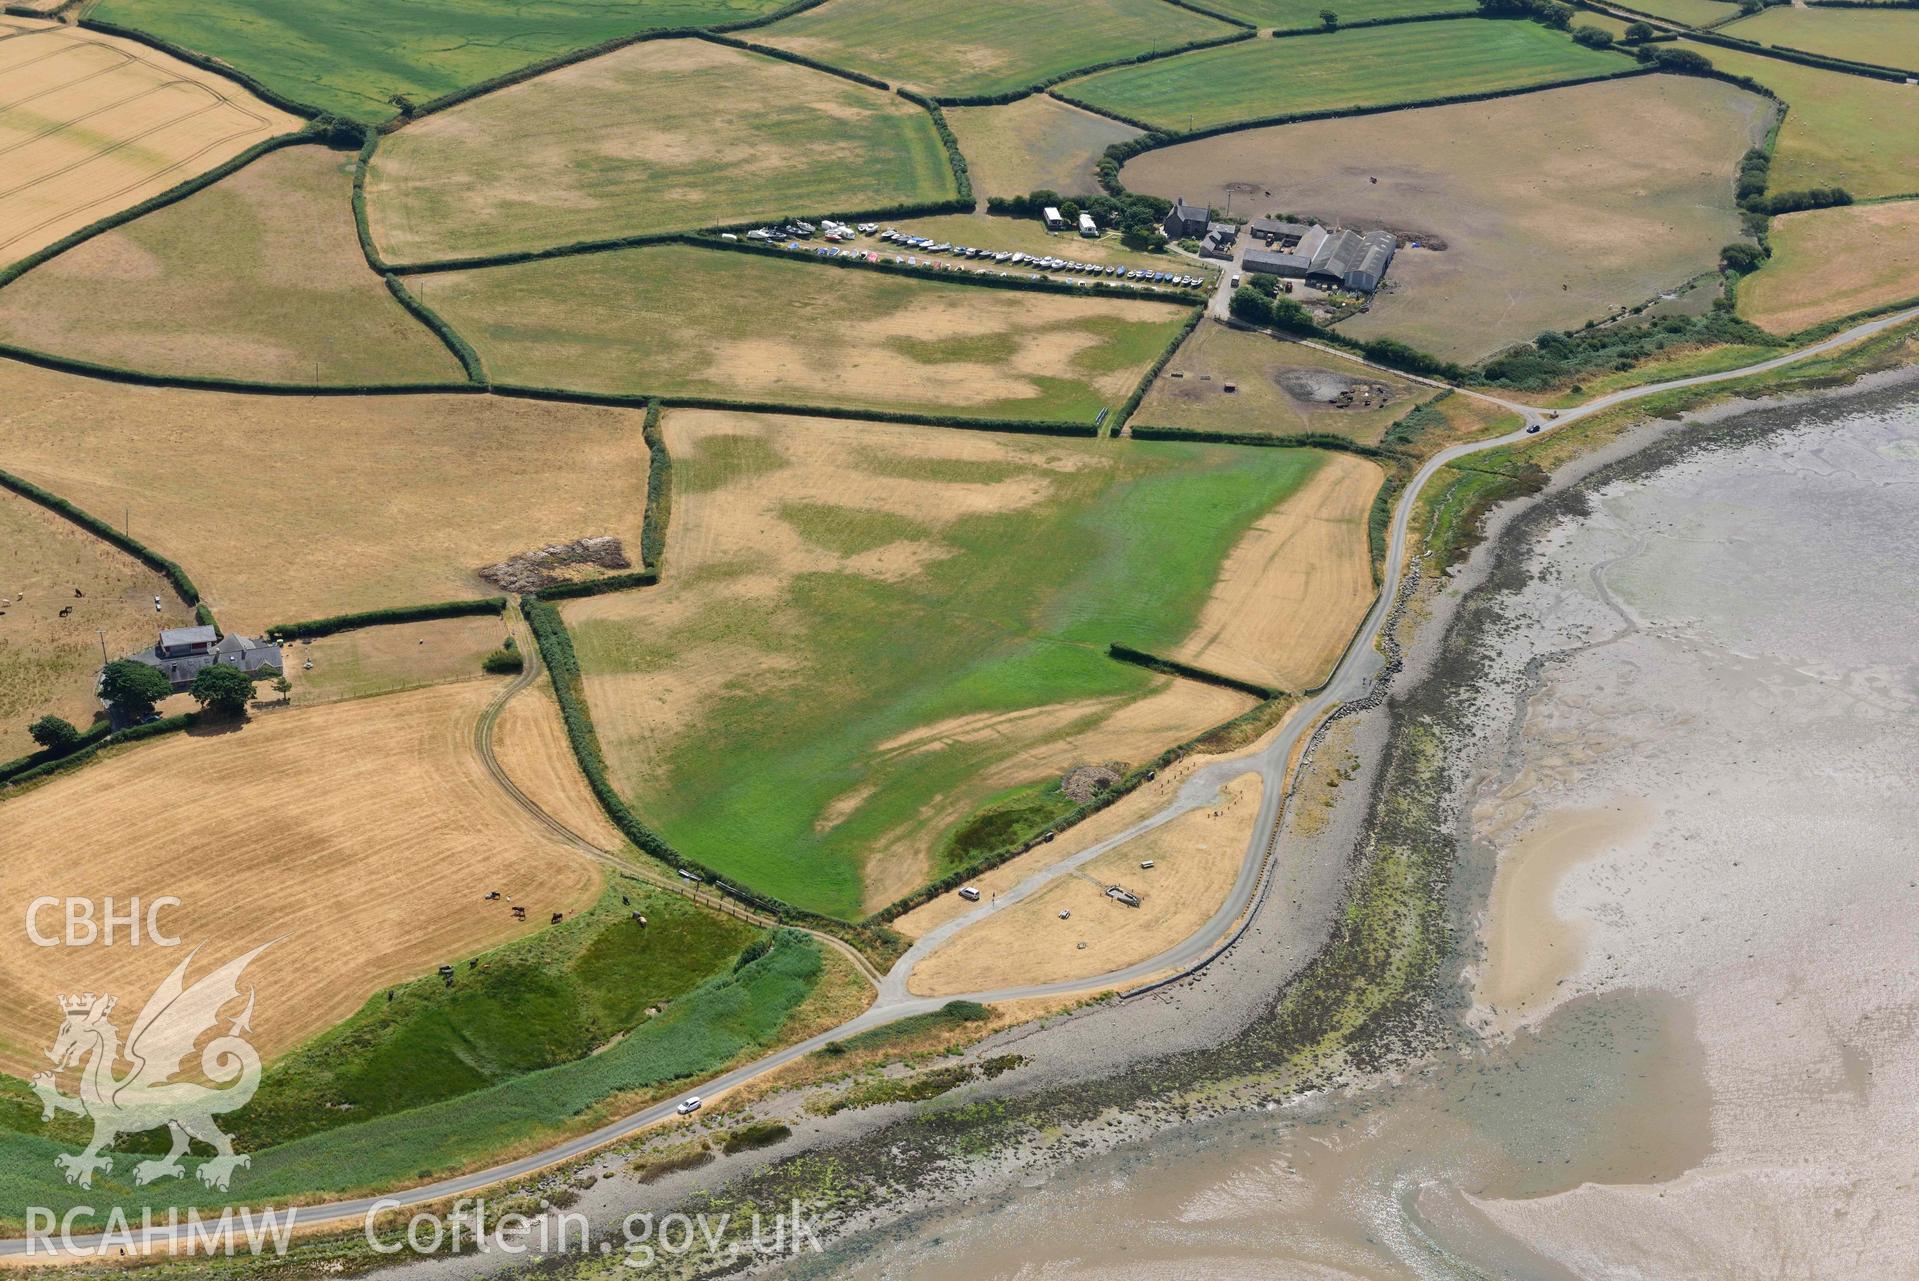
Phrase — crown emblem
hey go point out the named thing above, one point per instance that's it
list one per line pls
(76, 1004)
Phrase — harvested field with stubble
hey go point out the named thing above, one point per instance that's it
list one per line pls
(361, 835)
(1828, 263)
(259, 276)
(669, 135)
(1279, 389)
(677, 320)
(362, 61)
(960, 48)
(855, 649)
(529, 741)
(1196, 858)
(1550, 210)
(1293, 591)
(92, 124)
(1037, 143)
(327, 505)
(1361, 67)
(48, 663)
(1843, 130)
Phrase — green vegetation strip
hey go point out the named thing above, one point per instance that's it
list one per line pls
(384, 617)
(725, 1018)
(659, 491)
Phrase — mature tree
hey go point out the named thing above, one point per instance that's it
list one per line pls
(283, 687)
(1592, 37)
(54, 733)
(1329, 20)
(1291, 316)
(223, 689)
(1639, 33)
(1741, 257)
(133, 688)
(1252, 306)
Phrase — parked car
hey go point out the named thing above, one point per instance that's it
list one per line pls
(689, 1105)
(969, 893)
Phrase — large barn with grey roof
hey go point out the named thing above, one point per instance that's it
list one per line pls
(1331, 260)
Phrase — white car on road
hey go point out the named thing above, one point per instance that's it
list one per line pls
(689, 1105)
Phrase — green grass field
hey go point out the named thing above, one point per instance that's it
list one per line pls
(956, 48)
(819, 697)
(258, 276)
(668, 135)
(677, 320)
(353, 59)
(1292, 15)
(730, 1014)
(1369, 67)
(1843, 130)
(1889, 38)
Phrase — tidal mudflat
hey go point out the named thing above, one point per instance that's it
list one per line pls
(1685, 994)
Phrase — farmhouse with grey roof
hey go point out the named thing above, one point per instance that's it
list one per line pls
(181, 653)
(1185, 221)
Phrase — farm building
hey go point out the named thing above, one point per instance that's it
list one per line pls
(1185, 222)
(1332, 260)
(181, 652)
(1219, 241)
(1087, 227)
(1280, 235)
(1053, 219)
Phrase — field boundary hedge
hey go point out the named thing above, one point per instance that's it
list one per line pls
(38, 765)
(797, 59)
(1042, 85)
(1785, 53)
(563, 665)
(168, 569)
(272, 97)
(955, 158)
(1287, 33)
(598, 586)
(1132, 404)
(336, 623)
(639, 400)
(368, 250)
(1186, 671)
(1202, 10)
(449, 337)
(1294, 440)
(198, 382)
(659, 491)
(1126, 785)
(159, 200)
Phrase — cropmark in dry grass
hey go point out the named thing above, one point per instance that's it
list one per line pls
(285, 508)
(857, 652)
(259, 276)
(670, 135)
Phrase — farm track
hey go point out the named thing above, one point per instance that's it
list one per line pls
(1355, 685)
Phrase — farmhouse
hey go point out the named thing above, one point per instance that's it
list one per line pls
(1185, 221)
(181, 652)
(1330, 260)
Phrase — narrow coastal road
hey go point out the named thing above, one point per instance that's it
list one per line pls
(1352, 679)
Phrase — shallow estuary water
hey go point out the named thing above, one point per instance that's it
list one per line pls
(1689, 871)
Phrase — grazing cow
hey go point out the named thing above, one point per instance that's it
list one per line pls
(66, 611)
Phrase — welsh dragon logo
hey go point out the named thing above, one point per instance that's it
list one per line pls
(147, 1097)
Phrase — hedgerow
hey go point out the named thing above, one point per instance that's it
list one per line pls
(168, 569)
(273, 97)
(194, 382)
(1245, 32)
(462, 350)
(954, 157)
(599, 586)
(799, 59)
(385, 617)
(1186, 671)
(1293, 440)
(1784, 53)
(1127, 410)
(39, 765)
(659, 491)
(639, 400)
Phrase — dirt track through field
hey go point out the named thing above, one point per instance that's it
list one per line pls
(90, 124)
(1294, 590)
(363, 836)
